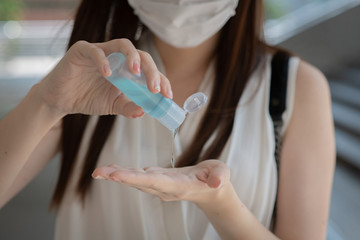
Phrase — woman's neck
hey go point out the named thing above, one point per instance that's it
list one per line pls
(186, 67)
(189, 60)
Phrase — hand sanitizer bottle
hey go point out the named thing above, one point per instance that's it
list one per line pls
(134, 87)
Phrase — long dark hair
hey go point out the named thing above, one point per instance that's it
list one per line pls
(238, 52)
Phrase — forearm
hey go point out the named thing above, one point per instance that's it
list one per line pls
(20, 132)
(231, 218)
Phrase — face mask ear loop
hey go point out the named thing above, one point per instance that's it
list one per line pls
(139, 30)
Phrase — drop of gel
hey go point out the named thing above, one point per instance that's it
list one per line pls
(173, 148)
(192, 104)
(195, 102)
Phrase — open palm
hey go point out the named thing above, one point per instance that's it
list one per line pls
(192, 183)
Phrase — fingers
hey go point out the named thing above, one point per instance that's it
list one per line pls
(151, 73)
(165, 87)
(139, 177)
(126, 47)
(96, 55)
(156, 81)
(135, 177)
(103, 172)
(118, 174)
(136, 60)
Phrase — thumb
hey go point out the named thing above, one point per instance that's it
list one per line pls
(217, 176)
(124, 106)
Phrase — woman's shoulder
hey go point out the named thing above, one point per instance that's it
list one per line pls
(310, 81)
(311, 120)
(308, 77)
(311, 84)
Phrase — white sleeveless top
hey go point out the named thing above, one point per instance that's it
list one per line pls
(114, 211)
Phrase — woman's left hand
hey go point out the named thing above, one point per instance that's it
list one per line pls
(197, 183)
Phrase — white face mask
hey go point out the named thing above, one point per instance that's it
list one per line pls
(184, 23)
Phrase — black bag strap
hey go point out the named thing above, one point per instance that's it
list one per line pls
(277, 101)
(277, 105)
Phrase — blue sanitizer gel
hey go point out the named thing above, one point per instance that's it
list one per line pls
(134, 87)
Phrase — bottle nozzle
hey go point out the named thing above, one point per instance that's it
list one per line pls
(195, 102)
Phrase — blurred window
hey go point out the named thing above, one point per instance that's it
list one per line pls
(285, 18)
(275, 9)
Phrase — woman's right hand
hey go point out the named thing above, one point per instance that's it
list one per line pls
(77, 83)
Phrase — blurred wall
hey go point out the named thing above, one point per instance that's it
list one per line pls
(331, 44)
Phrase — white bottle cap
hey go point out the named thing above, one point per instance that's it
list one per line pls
(195, 102)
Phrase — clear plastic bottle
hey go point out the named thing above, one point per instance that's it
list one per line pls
(134, 87)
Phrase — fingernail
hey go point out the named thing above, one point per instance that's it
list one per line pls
(107, 70)
(136, 67)
(170, 93)
(220, 185)
(157, 87)
(99, 177)
(139, 115)
(114, 179)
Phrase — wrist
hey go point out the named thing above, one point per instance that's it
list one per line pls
(231, 218)
(217, 198)
(40, 105)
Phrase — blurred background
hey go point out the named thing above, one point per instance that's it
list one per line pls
(326, 33)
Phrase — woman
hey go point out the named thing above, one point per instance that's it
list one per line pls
(211, 46)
